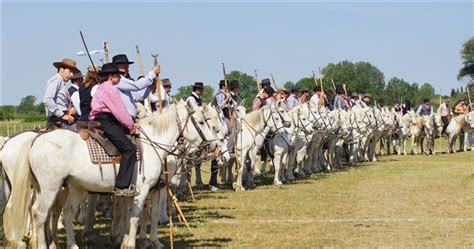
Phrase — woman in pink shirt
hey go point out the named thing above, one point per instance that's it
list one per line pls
(110, 111)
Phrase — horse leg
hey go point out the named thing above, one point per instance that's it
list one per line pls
(71, 209)
(56, 210)
(277, 161)
(89, 215)
(199, 183)
(229, 174)
(158, 208)
(129, 240)
(44, 201)
(117, 206)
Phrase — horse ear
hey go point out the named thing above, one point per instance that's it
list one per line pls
(242, 103)
(204, 107)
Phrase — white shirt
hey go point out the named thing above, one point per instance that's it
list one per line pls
(192, 100)
(76, 101)
(314, 99)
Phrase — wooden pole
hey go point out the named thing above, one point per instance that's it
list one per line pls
(334, 85)
(140, 62)
(170, 207)
(256, 80)
(469, 97)
(158, 83)
(191, 191)
(321, 99)
(180, 213)
(225, 78)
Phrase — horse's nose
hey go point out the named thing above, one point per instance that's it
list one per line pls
(287, 124)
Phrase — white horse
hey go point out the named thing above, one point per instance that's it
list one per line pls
(321, 125)
(463, 122)
(61, 156)
(251, 137)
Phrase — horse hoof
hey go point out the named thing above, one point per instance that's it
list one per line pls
(278, 183)
(73, 247)
(239, 189)
(157, 244)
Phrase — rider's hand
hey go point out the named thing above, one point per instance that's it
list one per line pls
(156, 69)
(68, 118)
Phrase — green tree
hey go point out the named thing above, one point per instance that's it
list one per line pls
(8, 112)
(397, 90)
(27, 105)
(358, 77)
(426, 91)
(184, 92)
(288, 85)
(467, 55)
(307, 82)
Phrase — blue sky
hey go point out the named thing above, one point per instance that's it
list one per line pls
(419, 42)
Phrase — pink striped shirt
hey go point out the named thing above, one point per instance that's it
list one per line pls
(107, 99)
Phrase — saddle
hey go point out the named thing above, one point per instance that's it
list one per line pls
(101, 150)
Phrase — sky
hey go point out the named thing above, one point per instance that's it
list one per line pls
(418, 42)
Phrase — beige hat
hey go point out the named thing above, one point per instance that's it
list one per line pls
(67, 63)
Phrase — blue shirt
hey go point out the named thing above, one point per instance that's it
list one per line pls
(131, 91)
(292, 101)
(56, 100)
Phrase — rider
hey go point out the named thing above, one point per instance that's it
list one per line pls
(60, 111)
(293, 98)
(446, 113)
(259, 102)
(109, 109)
(130, 90)
(340, 99)
(76, 82)
(304, 95)
(87, 91)
(397, 109)
(196, 100)
(425, 109)
(152, 99)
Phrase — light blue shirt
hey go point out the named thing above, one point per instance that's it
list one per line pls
(133, 91)
(292, 101)
(56, 100)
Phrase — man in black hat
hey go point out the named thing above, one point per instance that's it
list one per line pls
(425, 109)
(304, 95)
(196, 100)
(339, 99)
(133, 91)
(152, 99)
(259, 102)
(196, 96)
(76, 81)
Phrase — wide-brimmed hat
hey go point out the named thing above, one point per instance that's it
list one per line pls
(166, 82)
(198, 85)
(339, 89)
(265, 82)
(77, 76)
(121, 59)
(67, 63)
(295, 89)
(317, 88)
(221, 83)
(109, 68)
(304, 89)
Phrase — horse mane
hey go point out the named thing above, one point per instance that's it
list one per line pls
(255, 117)
(460, 120)
(162, 121)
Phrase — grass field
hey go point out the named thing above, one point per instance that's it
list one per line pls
(400, 201)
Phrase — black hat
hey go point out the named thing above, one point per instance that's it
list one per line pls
(427, 100)
(77, 75)
(221, 83)
(349, 93)
(198, 85)
(366, 95)
(317, 88)
(269, 90)
(304, 89)
(121, 59)
(294, 89)
(109, 68)
(265, 82)
(234, 84)
(166, 82)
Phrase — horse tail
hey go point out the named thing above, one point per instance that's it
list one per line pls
(16, 215)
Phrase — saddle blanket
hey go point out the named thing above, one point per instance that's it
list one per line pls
(98, 154)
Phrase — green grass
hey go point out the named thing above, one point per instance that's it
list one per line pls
(12, 127)
(400, 201)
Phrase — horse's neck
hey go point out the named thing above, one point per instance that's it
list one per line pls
(461, 120)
